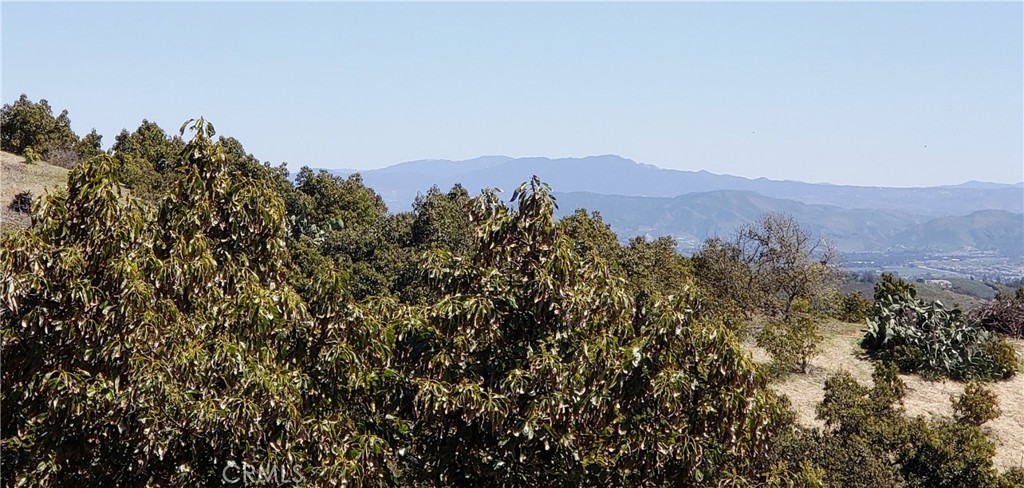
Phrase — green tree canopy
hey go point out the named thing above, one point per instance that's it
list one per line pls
(150, 143)
(26, 125)
(344, 221)
(593, 238)
(535, 368)
(151, 346)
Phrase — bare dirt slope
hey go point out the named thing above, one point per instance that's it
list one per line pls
(17, 176)
(841, 351)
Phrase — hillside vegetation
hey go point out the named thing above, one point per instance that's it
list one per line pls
(930, 398)
(184, 311)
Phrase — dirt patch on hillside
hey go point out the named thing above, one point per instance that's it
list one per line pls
(841, 351)
(17, 176)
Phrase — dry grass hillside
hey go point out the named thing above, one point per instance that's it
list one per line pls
(841, 351)
(17, 176)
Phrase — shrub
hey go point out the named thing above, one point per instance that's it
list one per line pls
(864, 428)
(853, 307)
(932, 339)
(891, 285)
(942, 453)
(22, 202)
(869, 441)
(976, 406)
(32, 156)
(1004, 358)
(791, 341)
(1012, 478)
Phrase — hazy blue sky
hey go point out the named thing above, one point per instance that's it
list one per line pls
(859, 93)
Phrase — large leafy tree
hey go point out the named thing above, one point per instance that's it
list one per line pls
(150, 345)
(655, 270)
(31, 126)
(438, 221)
(441, 220)
(535, 368)
(651, 267)
(780, 270)
(591, 237)
(90, 146)
(729, 280)
(789, 264)
(344, 221)
(146, 155)
(149, 142)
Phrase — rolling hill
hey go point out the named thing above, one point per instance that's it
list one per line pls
(614, 175)
(984, 229)
(693, 217)
(641, 199)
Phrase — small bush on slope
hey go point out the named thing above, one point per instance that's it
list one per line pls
(933, 340)
(868, 441)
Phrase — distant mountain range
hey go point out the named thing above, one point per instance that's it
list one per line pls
(641, 199)
(694, 217)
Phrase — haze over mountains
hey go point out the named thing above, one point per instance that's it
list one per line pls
(641, 199)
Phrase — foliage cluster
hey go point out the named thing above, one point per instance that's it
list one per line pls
(791, 342)
(30, 128)
(230, 320)
(852, 307)
(775, 269)
(977, 405)
(869, 441)
(932, 339)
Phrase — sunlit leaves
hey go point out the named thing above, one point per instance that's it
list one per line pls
(534, 367)
(155, 344)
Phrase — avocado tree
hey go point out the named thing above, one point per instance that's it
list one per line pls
(27, 126)
(535, 368)
(157, 345)
(591, 237)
